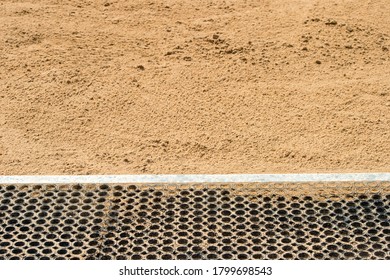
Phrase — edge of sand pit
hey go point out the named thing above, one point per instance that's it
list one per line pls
(195, 178)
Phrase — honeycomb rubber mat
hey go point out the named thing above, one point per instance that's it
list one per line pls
(196, 221)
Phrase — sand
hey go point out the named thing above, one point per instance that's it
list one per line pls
(121, 87)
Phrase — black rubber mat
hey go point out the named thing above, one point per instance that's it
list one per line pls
(237, 221)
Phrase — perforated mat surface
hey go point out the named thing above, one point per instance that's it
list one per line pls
(197, 221)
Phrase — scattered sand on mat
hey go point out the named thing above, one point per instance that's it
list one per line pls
(194, 86)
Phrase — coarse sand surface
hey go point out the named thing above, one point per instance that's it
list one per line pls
(180, 86)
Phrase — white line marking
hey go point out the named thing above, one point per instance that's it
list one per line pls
(194, 178)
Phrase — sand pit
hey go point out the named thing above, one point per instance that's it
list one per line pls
(123, 87)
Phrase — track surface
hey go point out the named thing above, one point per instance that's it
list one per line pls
(198, 221)
(127, 87)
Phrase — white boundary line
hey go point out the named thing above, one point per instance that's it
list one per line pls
(195, 178)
